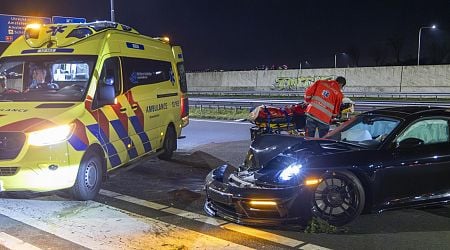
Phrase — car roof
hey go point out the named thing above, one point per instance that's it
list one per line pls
(403, 112)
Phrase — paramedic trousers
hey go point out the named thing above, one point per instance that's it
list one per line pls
(312, 124)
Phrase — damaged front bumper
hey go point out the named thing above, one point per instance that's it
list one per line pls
(247, 204)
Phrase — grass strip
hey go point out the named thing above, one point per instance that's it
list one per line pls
(219, 113)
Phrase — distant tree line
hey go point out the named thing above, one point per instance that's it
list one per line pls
(393, 53)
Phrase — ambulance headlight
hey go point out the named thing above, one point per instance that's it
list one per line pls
(50, 136)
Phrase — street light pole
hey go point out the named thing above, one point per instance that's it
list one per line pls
(112, 11)
(418, 46)
(299, 71)
(335, 56)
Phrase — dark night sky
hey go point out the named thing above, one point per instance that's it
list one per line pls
(243, 34)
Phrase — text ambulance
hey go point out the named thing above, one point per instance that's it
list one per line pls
(79, 100)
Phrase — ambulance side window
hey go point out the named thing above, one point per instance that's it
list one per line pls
(182, 74)
(111, 73)
(139, 71)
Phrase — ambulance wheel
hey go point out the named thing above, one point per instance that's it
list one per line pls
(89, 178)
(169, 144)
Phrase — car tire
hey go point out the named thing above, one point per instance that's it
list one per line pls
(89, 177)
(338, 199)
(169, 144)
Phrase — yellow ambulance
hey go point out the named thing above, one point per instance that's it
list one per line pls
(79, 100)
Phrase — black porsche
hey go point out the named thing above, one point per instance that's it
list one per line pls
(379, 160)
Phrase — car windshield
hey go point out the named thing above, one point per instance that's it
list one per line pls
(45, 78)
(366, 130)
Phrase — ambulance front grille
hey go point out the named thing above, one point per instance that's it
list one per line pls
(10, 144)
(8, 171)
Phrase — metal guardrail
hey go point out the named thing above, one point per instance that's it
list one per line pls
(437, 95)
(251, 103)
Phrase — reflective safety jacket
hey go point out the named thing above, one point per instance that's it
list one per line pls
(324, 98)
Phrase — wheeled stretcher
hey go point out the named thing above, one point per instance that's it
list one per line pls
(289, 119)
(278, 120)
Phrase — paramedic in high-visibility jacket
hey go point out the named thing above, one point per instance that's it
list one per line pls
(324, 98)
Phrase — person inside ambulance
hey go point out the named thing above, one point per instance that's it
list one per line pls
(324, 98)
(2, 83)
(39, 79)
(4, 89)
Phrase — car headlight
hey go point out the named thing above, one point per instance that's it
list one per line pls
(50, 136)
(290, 171)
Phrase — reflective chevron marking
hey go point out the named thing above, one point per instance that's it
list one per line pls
(110, 149)
(79, 140)
(137, 122)
(123, 135)
(137, 111)
(140, 131)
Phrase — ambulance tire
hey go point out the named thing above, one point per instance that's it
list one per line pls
(89, 178)
(169, 144)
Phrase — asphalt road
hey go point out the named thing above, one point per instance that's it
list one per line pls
(158, 205)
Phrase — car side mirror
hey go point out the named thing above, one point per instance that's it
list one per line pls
(106, 92)
(410, 143)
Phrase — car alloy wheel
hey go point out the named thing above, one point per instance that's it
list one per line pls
(339, 198)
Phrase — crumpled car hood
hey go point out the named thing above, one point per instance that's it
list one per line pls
(269, 155)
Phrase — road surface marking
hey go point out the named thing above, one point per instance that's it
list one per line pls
(134, 200)
(98, 226)
(167, 209)
(218, 222)
(215, 121)
(313, 247)
(194, 216)
(263, 235)
(14, 243)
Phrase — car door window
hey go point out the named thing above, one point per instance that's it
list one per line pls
(429, 131)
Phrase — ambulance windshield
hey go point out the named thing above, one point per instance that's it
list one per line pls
(45, 78)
